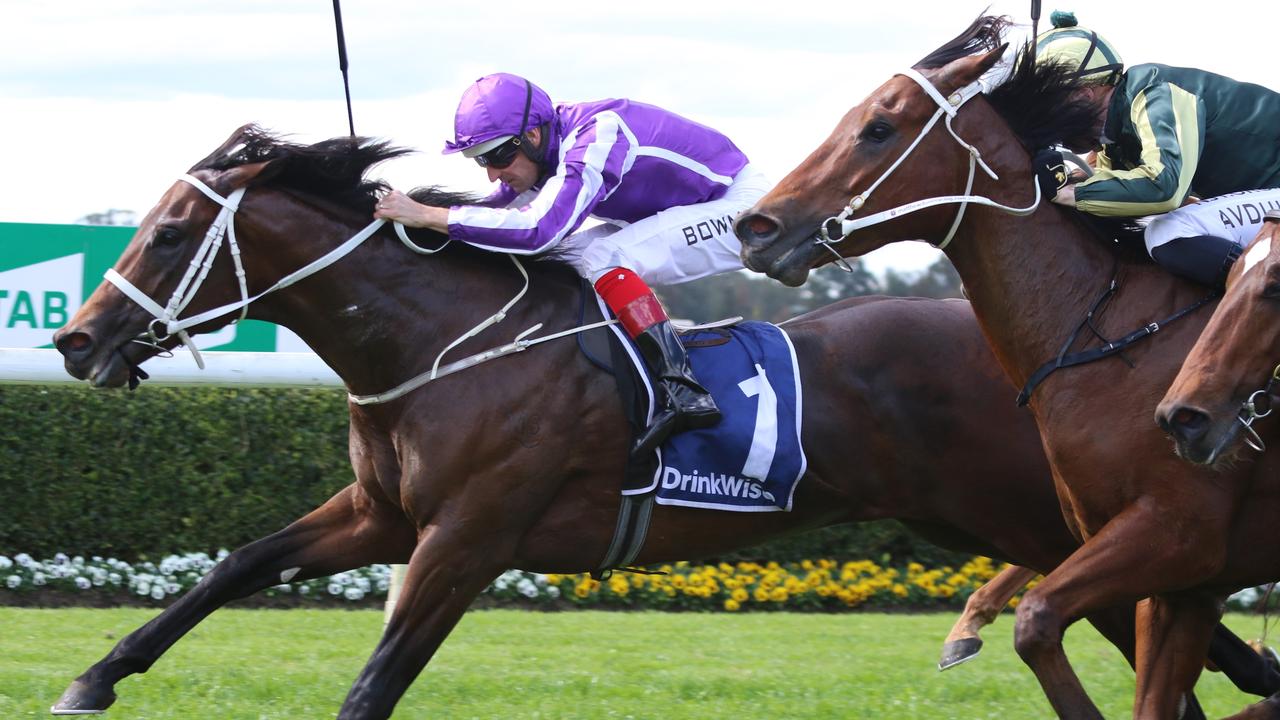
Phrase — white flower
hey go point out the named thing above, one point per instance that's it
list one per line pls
(304, 590)
(335, 589)
(143, 588)
(5, 563)
(38, 578)
(23, 559)
(114, 578)
(12, 581)
(284, 588)
(61, 559)
(353, 593)
(83, 583)
(171, 588)
(553, 592)
(157, 592)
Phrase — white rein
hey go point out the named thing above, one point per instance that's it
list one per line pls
(224, 225)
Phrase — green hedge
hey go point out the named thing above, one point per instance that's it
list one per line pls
(134, 475)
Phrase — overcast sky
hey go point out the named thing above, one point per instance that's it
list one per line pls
(103, 103)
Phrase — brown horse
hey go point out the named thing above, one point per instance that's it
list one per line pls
(1234, 361)
(1154, 526)
(517, 462)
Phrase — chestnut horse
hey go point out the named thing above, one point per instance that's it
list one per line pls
(518, 462)
(1229, 377)
(935, 154)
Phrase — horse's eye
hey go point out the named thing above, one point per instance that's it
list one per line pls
(877, 131)
(1271, 282)
(168, 236)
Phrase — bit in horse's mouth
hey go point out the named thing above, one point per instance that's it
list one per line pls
(111, 372)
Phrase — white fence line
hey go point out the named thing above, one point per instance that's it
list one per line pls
(243, 369)
(21, 366)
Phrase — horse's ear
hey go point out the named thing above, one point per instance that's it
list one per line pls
(959, 73)
(250, 174)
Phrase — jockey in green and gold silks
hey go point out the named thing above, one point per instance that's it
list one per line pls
(1164, 134)
(1175, 131)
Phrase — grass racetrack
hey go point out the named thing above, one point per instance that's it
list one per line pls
(266, 664)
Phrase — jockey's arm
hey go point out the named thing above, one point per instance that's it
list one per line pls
(1169, 123)
(590, 170)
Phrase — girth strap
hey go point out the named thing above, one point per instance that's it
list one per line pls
(629, 535)
(1064, 360)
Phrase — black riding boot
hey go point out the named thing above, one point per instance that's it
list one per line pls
(683, 404)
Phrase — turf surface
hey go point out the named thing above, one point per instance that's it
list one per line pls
(257, 664)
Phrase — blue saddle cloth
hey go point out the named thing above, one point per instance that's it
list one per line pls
(752, 460)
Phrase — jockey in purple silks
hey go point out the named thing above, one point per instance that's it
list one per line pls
(666, 188)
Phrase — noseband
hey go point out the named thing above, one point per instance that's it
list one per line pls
(838, 227)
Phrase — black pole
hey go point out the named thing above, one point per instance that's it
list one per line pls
(1035, 25)
(342, 64)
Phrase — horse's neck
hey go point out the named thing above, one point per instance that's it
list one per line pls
(382, 315)
(1030, 280)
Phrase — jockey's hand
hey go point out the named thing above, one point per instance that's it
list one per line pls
(1051, 171)
(398, 207)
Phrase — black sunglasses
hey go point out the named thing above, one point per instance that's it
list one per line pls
(501, 156)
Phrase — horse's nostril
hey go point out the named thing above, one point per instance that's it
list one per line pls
(1188, 424)
(756, 228)
(761, 225)
(76, 343)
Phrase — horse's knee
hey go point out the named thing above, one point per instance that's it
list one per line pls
(1037, 628)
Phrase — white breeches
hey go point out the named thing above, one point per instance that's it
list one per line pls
(1236, 217)
(677, 245)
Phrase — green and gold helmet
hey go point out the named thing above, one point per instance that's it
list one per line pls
(1094, 60)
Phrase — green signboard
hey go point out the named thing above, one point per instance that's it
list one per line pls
(48, 271)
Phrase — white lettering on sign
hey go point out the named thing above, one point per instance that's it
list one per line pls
(37, 299)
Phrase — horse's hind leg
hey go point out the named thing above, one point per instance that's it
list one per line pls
(982, 608)
(347, 532)
(446, 573)
(1174, 632)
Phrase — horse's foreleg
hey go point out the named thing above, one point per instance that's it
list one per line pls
(445, 574)
(347, 532)
(982, 609)
(1117, 566)
(1174, 633)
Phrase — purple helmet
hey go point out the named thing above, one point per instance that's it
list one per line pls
(495, 108)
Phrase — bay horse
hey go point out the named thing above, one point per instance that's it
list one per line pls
(518, 462)
(1232, 366)
(1171, 536)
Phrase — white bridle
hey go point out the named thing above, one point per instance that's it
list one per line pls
(948, 107)
(198, 271)
(224, 225)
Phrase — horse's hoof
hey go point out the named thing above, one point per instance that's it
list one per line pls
(959, 651)
(83, 699)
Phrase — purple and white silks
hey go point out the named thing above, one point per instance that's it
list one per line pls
(618, 160)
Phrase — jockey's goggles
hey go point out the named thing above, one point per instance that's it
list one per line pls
(500, 157)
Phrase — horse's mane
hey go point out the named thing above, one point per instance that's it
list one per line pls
(983, 35)
(332, 169)
(1036, 100)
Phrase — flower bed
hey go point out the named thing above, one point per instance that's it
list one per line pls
(810, 585)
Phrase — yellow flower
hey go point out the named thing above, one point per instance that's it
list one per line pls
(739, 595)
(732, 605)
